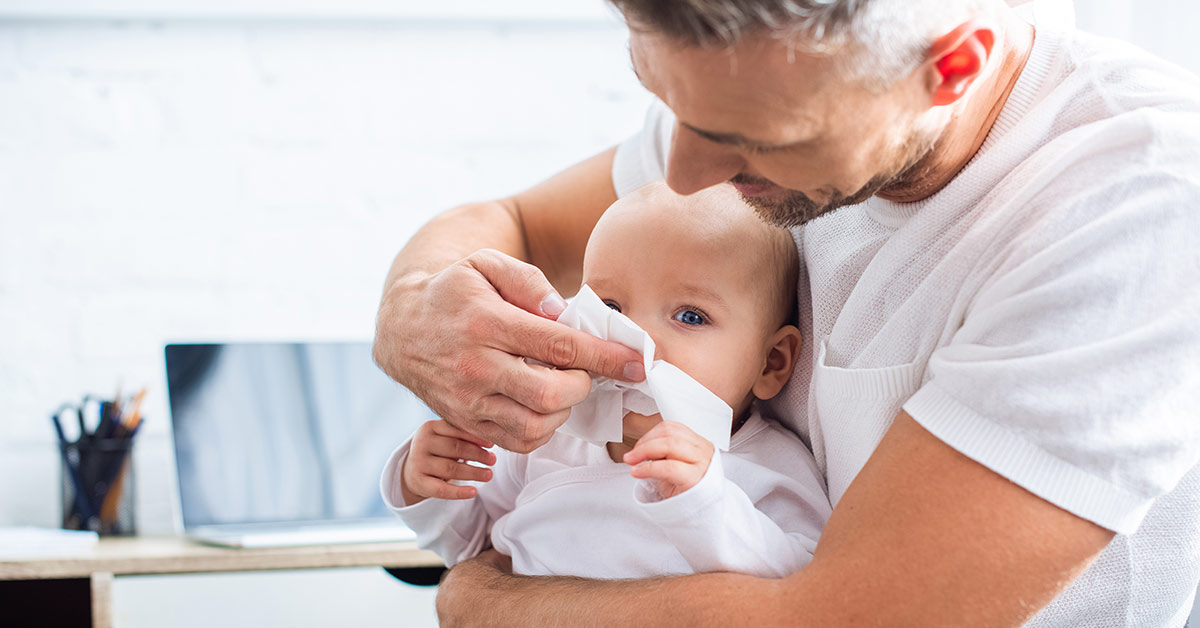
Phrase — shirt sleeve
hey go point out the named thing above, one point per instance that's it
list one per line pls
(642, 159)
(455, 529)
(717, 526)
(1076, 370)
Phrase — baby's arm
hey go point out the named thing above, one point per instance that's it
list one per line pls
(714, 523)
(452, 520)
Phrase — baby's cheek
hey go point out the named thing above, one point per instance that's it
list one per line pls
(719, 373)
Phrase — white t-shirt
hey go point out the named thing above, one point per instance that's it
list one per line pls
(568, 510)
(1040, 314)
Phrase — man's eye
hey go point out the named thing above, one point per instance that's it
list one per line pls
(690, 317)
(613, 305)
(762, 150)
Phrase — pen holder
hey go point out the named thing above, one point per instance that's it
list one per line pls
(98, 486)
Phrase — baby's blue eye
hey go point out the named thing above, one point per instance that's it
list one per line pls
(689, 317)
(613, 305)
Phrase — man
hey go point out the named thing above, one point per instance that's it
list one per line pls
(1001, 240)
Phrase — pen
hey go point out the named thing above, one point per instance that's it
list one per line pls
(62, 437)
(85, 512)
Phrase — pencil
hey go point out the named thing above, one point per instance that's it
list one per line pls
(135, 409)
(112, 500)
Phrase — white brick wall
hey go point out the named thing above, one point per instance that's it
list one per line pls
(200, 180)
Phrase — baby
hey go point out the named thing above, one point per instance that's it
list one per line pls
(714, 287)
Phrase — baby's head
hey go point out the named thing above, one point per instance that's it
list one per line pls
(712, 284)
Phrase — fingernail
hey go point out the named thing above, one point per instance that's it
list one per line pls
(553, 305)
(634, 372)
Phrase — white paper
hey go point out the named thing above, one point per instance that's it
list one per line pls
(29, 542)
(666, 389)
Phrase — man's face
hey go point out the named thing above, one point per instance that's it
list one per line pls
(791, 134)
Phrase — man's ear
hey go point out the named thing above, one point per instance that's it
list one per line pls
(956, 59)
(778, 365)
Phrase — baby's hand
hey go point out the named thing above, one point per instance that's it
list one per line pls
(438, 454)
(672, 455)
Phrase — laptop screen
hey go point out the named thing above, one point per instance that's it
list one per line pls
(283, 431)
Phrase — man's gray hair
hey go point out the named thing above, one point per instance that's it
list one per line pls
(878, 41)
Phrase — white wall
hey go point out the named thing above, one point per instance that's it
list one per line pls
(224, 180)
(248, 179)
(236, 178)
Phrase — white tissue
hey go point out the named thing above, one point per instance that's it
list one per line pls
(666, 389)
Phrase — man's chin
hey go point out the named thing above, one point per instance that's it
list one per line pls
(786, 209)
(789, 208)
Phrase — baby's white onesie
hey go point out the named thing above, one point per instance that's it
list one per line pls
(567, 509)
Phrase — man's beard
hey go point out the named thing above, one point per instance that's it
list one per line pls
(795, 208)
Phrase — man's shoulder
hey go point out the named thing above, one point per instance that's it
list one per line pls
(1114, 128)
(1121, 66)
(1101, 81)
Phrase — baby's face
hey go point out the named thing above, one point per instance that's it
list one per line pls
(690, 284)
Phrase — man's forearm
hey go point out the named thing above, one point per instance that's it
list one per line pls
(457, 233)
(497, 598)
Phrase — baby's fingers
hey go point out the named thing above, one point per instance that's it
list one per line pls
(672, 445)
(442, 428)
(672, 472)
(429, 486)
(433, 476)
(457, 449)
(447, 469)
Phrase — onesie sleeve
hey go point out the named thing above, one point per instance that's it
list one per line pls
(456, 529)
(758, 511)
(1076, 370)
(642, 159)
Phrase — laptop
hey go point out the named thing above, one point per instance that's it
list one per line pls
(280, 444)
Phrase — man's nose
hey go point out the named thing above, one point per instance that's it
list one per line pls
(696, 163)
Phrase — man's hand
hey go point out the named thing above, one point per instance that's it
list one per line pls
(439, 454)
(672, 455)
(457, 338)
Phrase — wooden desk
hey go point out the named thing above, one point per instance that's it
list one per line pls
(77, 586)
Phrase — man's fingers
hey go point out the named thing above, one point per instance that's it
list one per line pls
(519, 283)
(522, 427)
(567, 348)
(543, 390)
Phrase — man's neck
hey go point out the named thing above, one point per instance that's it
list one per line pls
(969, 127)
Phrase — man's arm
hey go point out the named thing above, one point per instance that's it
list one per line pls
(923, 537)
(468, 298)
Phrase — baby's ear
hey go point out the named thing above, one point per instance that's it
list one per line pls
(778, 365)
